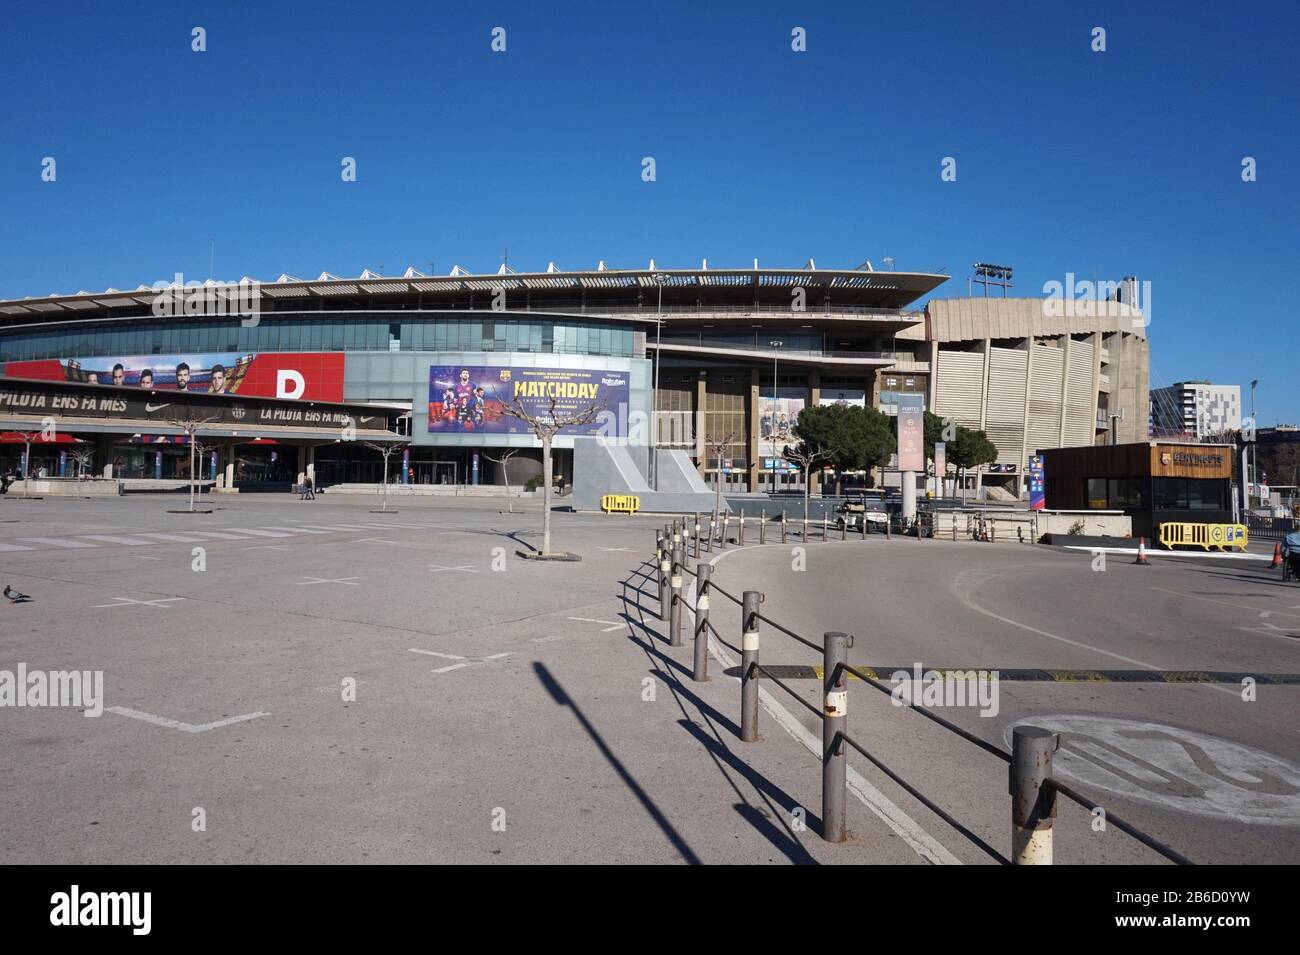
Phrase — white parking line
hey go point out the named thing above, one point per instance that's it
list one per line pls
(308, 581)
(127, 541)
(616, 626)
(56, 542)
(10, 547)
(177, 538)
(160, 603)
(1226, 603)
(177, 724)
(258, 533)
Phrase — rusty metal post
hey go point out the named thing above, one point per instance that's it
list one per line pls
(675, 611)
(750, 600)
(835, 713)
(1033, 800)
(704, 574)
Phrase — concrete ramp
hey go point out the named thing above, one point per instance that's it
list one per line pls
(601, 468)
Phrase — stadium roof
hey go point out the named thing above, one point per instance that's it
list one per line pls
(860, 286)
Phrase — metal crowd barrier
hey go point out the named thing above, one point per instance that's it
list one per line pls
(1031, 785)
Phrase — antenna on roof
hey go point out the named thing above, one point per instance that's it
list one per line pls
(811, 266)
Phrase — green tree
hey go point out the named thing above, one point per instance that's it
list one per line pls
(969, 449)
(852, 438)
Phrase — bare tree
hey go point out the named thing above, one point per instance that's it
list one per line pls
(387, 450)
(806, 455)
(82, 458)
(504, 461)
(190, 421)
(715, 447)
(545, 427)
(28, 437)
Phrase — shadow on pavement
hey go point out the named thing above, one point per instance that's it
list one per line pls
(562, 698)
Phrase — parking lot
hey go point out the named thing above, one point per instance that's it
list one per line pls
(291, 681)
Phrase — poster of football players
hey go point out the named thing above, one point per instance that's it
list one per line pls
(471, 398)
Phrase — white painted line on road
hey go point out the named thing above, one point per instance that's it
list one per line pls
(616, 626)
(463, 568)
(552, 639)
(308, 581)
(296, 530)
(160, 603)
(145, 557)
(907, 828)
(110, 539)
(1226, 603)
(463, 661)
(267, 547)
(222, 536)
(1152, 552)
(258, 533)
(177, 724)
(177, 538)
(628, 550)
(324, 527)
(11, 547)
(56, 542)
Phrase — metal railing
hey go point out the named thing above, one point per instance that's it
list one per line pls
(1031, 785)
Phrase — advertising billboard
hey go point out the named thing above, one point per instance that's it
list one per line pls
(777, 416)
(471, 398)
(316, 376)
(844, 397)
(911, 432)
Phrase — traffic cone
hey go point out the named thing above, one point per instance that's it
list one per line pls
(1142, 553)
(1277, 556)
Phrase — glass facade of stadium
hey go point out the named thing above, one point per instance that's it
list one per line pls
(736, 354)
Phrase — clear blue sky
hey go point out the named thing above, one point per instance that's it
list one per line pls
(1101, 164)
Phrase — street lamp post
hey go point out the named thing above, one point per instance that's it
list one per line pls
(1254, 453)
(654, 401)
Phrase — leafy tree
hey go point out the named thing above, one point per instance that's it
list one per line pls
(851, 438)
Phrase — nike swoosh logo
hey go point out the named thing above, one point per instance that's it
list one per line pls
(149, 407)
(364, 420)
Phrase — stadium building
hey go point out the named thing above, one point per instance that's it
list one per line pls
(722, 360)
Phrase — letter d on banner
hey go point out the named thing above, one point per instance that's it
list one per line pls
(283, 378)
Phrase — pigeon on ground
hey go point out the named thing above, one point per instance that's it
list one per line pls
(14, 596)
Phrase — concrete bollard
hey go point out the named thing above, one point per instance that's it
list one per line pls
(701, 672)
(1033, 801)
(750, 600)
(675, 610)
(835, 710)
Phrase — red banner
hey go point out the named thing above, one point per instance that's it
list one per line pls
(307, 376)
